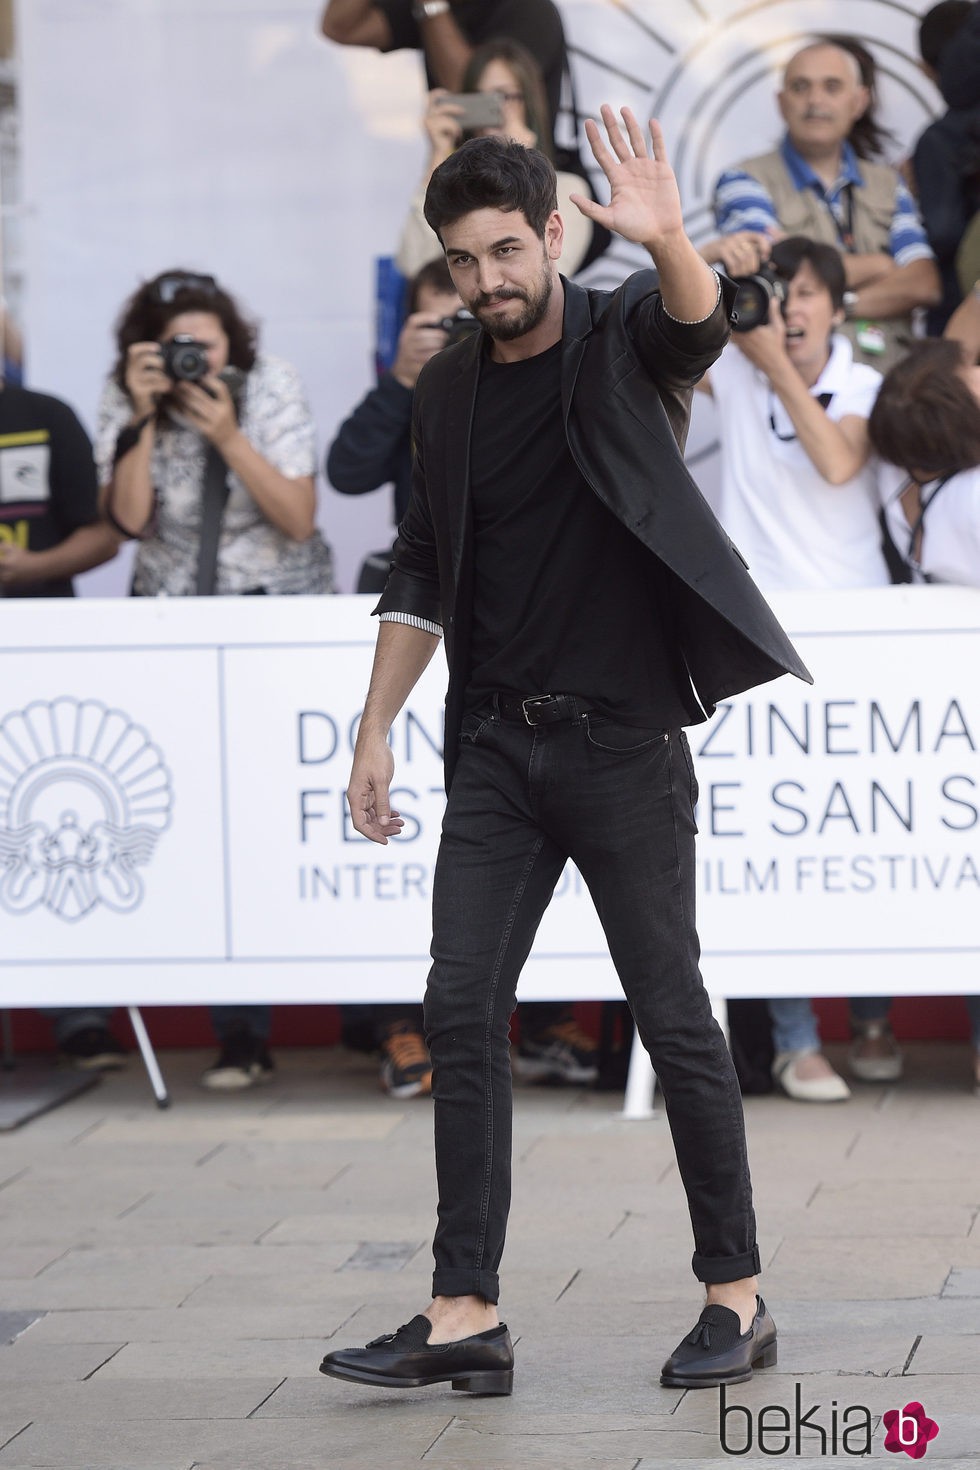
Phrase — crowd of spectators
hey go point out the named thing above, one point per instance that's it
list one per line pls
(847, 409)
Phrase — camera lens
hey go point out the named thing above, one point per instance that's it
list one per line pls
(754, 295)
(185, 360)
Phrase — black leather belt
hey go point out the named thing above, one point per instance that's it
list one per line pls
(539, 709)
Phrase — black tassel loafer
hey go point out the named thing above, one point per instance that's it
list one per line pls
(482, 1364)
(717, 1351)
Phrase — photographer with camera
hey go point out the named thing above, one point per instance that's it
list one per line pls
(799, 499)
(821, 183)
(168, 415)
(206, 456)
(372, 448)
(447, 31)
(502, 96)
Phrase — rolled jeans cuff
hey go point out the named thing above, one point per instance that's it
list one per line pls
(713, 1269)
(455, 1281)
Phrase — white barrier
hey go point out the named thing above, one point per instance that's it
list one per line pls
(173, 830)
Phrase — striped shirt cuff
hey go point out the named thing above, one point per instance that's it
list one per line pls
(412, 621)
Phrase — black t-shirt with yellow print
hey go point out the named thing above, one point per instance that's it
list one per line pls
(48, 485)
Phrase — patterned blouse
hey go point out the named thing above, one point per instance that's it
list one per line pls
(253, 554)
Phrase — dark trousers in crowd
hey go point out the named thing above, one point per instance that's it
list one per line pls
(619, 802)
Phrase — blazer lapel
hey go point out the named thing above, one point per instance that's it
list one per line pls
(575, 333)
(460, 405)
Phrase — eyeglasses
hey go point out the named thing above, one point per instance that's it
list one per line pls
(169, 287)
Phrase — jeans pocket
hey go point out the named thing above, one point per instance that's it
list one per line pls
(689, 762)
(617, 739)
(472, 727)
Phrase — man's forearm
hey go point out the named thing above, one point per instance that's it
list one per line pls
(689, 287)
(446, 49)
(899, 292)
(355, 23)
(400, 658)
(80, 551)
(861, 270)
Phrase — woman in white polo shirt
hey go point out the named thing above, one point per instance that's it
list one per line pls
(799, 499)
(925, 426)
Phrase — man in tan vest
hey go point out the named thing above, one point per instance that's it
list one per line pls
(814, 184)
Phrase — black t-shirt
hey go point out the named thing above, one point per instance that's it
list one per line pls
(566, 600)
(536, 24)
(48, 483)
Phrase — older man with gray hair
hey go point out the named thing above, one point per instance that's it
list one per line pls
(815, 184)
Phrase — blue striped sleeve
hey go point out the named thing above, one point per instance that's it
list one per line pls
(907, 240)
(741, 203)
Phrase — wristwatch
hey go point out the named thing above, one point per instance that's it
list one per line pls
(850, 299)
(426, 9)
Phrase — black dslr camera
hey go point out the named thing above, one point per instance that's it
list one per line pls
(754, 295)
(459, 326)
(185, 360)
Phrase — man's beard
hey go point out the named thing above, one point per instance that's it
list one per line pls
(508, 329)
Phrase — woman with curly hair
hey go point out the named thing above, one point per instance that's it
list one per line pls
(206, 449)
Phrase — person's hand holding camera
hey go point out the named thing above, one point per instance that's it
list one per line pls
(442, 124)
(209, 407)
(740, 254)
(765, 345)
(146, 380)
(420, 339)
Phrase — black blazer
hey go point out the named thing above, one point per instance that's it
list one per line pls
(628, 371)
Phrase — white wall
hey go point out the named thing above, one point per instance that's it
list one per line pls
(228, 136)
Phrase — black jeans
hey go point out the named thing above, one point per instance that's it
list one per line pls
(620, 803)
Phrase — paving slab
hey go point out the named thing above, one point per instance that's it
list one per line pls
(946, 1355)
(236, 1323)
(28, 1360)
(962, 1283)
(868, 1219)
(27, 1260)
(218, 1125)
(231, 1444)
(555, 1440)
(141, 1400)
(857, 1266)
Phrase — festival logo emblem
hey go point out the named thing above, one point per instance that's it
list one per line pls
(84, 797)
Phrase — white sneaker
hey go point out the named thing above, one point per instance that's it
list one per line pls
(830, 1088)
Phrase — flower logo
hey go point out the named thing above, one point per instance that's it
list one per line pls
(909, 1429)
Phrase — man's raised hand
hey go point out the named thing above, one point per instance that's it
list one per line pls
(644, 204)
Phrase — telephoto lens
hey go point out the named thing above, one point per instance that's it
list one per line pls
(754, 295)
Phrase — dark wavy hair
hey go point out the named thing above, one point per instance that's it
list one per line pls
(492, 173)
(939, 26)
(825, 260)
(144, 318)
(925, 418)
(529, 78)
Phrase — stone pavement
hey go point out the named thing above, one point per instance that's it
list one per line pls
(169, 1280)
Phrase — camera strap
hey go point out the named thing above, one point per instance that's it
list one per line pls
(844, 223)
(214, 497)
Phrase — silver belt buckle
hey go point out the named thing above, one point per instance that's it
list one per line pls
(534, 699)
